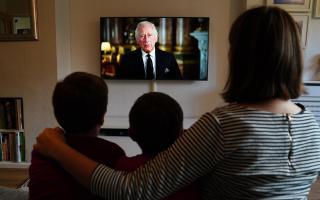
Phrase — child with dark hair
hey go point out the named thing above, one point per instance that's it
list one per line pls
(156, 121)
(80, 103)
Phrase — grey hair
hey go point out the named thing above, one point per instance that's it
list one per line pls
(143, 23)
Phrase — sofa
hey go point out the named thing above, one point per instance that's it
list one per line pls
(7, 193)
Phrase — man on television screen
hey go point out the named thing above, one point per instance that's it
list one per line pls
(148, 62)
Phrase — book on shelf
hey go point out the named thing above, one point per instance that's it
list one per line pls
(4, 145)
(12, 146)
(11, 113)
(19, 147)
(12, 138)
(2, 116)
(0, 147)
(19, 118)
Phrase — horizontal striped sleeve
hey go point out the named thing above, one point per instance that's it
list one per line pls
(194, 154)
(238, 153)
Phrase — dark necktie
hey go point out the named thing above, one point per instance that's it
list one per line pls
(149, 70)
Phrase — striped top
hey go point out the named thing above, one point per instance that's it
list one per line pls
(236, 152)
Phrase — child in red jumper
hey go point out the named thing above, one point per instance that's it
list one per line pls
(80, 103)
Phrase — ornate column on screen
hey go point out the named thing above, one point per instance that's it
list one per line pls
(165, 34)
(183, 38)
(202, 38)
(105, 24)
(186, 51)
(116, 31)
(117, 40)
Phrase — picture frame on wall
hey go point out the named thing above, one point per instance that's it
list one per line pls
(292, 5)
(311, 72)
(302, 20)
(316, 9)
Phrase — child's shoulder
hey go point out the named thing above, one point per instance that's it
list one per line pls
(131, 163)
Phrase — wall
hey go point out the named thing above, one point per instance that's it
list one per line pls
(69, 41)
(85, 53)
(194, 97)
(29, 69)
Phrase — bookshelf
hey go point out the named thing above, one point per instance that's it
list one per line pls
(12, 136)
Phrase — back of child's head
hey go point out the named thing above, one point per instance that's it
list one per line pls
(80, 102)
(156, 121)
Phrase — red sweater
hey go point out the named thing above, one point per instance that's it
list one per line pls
(48, 180)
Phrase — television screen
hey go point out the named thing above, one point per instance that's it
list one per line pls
(178, 48)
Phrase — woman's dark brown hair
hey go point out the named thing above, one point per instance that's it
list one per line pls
(265, 57)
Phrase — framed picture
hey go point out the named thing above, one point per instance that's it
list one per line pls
(292, 5)
(311, 72)
(316, 9)
(302, 21)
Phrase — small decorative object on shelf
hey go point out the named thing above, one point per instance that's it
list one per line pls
(12, 139)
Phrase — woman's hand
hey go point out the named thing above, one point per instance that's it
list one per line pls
(49, 141)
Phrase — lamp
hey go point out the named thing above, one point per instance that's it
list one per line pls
(105, 46)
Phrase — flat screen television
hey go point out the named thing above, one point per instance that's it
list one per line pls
(186, 38)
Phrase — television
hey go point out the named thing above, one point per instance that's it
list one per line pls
(186, 38)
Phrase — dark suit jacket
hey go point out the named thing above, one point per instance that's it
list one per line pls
(132, 67)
